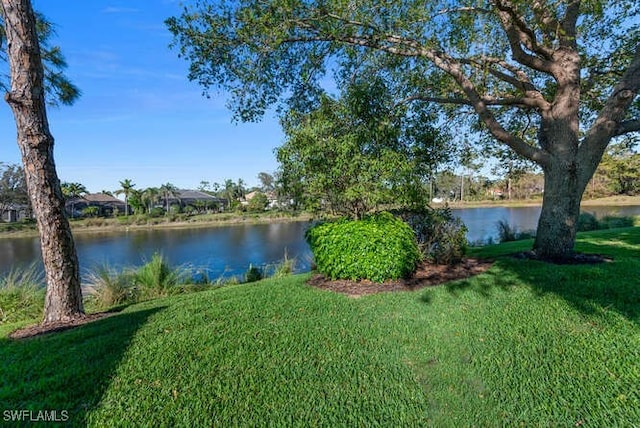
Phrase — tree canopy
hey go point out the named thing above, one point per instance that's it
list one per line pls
(358, 152)
(551, 80)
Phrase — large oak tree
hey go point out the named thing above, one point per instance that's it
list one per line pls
(568, 69)
(30, 81)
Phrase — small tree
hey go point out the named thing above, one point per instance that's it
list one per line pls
(13, 187)
(258, 203)
(71, 192)
(168, 191)
(359, 152)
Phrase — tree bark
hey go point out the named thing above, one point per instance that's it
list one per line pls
(63, 300)
(557, 225)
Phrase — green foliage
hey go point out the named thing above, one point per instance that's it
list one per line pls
(587, 222)
(21, 294)
(354, 154)
(378, 247)
(615, 222)
(106, 287)
(157, 278)
(284, 268)
(90, 211)
(507, 233)
(13, 187)
(258, 203)
(253, 274)
(441, 236)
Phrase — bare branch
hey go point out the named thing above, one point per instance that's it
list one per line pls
(628, 126)
(569, 23)
(463, 9)
(610, 121)
(489, 101)
(520, 35)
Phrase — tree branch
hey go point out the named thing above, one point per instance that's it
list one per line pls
(610, 121)
(489, 101)
(401, 46)
(520, 35)
(627, 126)
(519, 80)
(568, 34)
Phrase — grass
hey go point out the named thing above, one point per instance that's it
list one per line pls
(21, 294)
(524, 344)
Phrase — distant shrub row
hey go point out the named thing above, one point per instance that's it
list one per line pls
(588, 221)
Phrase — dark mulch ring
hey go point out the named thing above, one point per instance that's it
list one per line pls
(40, 329)
(426, 275)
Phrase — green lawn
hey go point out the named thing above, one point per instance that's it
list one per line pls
(524, 344)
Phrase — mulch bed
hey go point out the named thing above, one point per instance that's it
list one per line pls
(40, 329)
(427, 275)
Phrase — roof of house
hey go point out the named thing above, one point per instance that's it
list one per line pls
(102, 198)
(96, 198)
(194, 195)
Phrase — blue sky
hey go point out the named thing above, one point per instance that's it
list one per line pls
(139, 117)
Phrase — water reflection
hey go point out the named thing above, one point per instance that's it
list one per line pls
(229, 250)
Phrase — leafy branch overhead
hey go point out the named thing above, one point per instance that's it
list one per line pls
(554, 81)
(59, 89)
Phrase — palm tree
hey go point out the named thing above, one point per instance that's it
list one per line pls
(150, 197)
(167, 191)
(71, 192)
(241, 188)
(126, 188)
(229, 188)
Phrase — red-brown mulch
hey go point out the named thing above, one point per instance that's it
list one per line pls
(427, 275)
(40, 329)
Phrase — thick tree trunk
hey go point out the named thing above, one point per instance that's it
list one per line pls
(63, 300)
(557, 225)
(565, 179)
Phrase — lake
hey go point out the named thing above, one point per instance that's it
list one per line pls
(228, 250)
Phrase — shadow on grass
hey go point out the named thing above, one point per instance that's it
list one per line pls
(593, 289)
(66, 371)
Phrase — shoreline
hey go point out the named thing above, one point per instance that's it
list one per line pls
(113, 226)
(110, 225)
(611, 201)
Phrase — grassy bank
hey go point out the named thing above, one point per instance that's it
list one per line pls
(141, 222)
(524, 344)
(612, 201)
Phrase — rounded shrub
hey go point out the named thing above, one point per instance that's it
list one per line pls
(378, 248)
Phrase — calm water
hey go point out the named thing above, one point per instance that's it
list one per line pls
(228, 250)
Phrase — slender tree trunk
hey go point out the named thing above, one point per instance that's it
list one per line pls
(63, 299)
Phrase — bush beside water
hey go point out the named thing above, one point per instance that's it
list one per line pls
(378, 248)
(441, 236)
